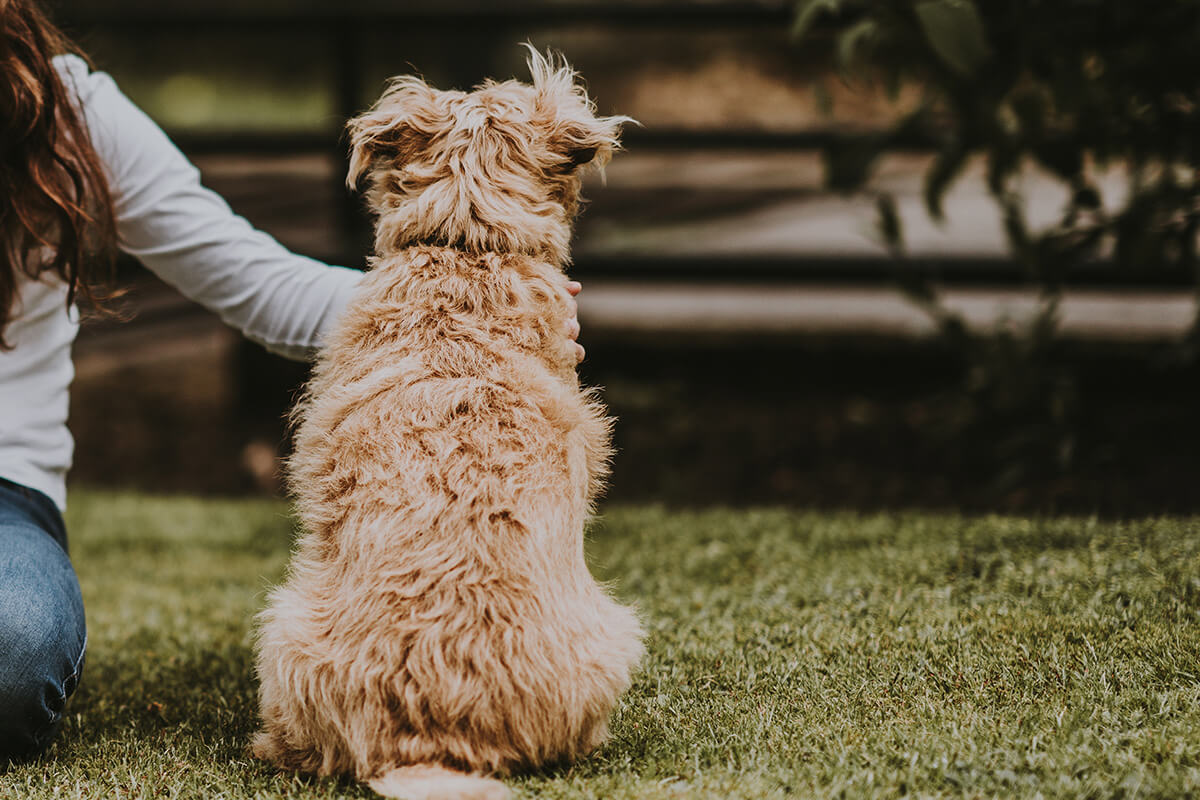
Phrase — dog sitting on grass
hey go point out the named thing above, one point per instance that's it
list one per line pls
(438, 623)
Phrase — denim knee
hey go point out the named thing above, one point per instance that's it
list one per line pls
(40, 663)
(42, 637)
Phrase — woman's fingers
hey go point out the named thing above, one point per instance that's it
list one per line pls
(574, 287)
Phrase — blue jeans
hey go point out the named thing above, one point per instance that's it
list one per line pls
(42, 633)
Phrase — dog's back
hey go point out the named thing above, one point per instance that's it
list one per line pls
(439, 610)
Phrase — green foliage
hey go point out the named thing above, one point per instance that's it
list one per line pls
(789, 655)
(1070, 88)
(955, 33)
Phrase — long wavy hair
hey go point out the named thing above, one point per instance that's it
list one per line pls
(56, 212)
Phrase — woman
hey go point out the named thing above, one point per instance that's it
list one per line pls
(82, 172)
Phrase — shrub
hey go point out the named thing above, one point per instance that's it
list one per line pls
(1074, 87)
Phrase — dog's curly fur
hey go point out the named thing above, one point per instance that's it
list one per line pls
(438, 622)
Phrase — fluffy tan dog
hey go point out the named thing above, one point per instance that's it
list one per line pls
(439, 622)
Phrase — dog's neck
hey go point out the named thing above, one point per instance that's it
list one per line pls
(458, 247)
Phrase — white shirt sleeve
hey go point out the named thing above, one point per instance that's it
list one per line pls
(189, 237)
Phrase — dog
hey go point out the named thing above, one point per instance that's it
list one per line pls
(438, 624)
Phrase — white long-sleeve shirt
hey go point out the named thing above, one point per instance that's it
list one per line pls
(184, 233)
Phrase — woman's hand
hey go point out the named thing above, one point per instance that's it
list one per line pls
(574, 288)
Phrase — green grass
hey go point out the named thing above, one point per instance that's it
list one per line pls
(790, 655)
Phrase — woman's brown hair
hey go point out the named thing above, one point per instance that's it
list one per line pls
(56, 213)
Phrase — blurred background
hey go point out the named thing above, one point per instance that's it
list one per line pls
(772, 305)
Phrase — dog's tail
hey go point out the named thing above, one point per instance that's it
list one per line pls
(435, 782)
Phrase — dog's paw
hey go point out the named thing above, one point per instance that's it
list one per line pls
(270, 748)
(265, 747)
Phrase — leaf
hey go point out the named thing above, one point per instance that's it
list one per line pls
(1017, 232)
(1031, 107)
(889, 223)
(1062, 157)
(853, 40)
(955, 32)
(807, 12)
(946, 167)
(1003, 162)
(848, 162)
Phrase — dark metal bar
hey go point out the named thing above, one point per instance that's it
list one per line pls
(480, 15)
(951, 272)
(352, 225)
(634, 139)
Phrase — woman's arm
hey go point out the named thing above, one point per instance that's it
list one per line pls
(189, 237)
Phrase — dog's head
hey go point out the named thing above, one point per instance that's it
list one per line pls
(495, 169)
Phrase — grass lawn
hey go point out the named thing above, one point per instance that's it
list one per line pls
(790, 655)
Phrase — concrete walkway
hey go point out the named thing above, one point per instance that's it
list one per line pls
(608, 307)
(774, 205)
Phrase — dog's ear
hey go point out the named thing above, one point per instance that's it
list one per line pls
(575, 135)
(575, 143)
(576, 147)
(579, 156)
(396, 129)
